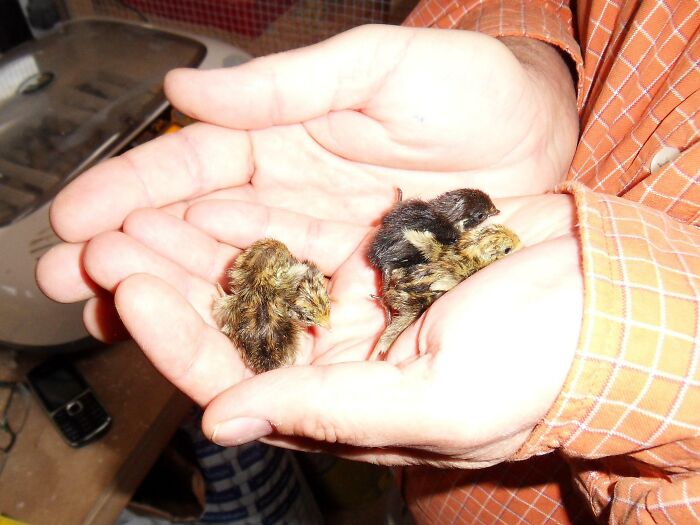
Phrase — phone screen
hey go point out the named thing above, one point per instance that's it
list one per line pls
(56, 383)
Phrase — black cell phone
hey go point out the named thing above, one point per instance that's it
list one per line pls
(69, 401)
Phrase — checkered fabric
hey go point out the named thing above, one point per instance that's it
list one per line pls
(622, 440)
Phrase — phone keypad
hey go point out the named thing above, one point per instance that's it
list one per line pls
(81, 418)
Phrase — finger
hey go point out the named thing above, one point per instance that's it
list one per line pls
(358, 316)
(326, 243)
(245, 193)
(290, 87)
(102, 320)
(537, 218)
(113, 256)
(181, 242)
(367, 404)
(194, 161)
(60, 274)
(194, 356)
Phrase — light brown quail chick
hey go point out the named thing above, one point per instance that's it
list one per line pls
(273, 297)
(411, 290)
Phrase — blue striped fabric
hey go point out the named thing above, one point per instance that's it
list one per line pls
(218, 472)
(273, 464)
(251, 484)
(225, 517)
(224, 496)
(277, 515)
(277, 488)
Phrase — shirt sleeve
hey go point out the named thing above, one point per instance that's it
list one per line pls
(545, 20)
(627, 419)
(628, 416)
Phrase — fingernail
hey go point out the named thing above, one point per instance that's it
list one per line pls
(240, 430)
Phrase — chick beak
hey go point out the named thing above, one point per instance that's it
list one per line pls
(494, 211)
(325, 321)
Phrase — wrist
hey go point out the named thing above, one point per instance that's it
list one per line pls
(543, 59)
(552, 80)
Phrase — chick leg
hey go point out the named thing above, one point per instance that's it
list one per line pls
(387, 310)
(386, 272)
(398, 324)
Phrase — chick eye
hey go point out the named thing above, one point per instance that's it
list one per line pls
(506, 251)
(481, 216)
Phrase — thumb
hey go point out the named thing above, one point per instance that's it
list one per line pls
(290, 87)
(368, 404)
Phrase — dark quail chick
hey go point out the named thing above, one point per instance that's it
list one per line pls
(411, 290)
(465, 208)
(443, 217)
(273, 298)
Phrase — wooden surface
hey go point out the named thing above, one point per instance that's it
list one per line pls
(45, 481)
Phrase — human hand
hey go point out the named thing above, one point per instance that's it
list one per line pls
(461, 387)
(466, 108)
(335, 128)
(332, 129)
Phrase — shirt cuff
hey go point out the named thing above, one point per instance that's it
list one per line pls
(630, 386)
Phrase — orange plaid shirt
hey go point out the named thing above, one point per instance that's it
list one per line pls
(622, 441)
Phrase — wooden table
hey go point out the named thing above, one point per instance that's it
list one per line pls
(45, 481)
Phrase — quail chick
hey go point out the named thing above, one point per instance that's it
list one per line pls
(273, 298)
(443, 217)
(411, 290)
(465, 208)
